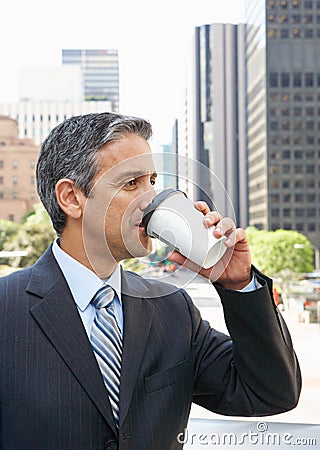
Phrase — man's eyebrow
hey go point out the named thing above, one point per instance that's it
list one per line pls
(134, 174)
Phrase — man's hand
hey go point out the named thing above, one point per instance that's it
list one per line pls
(233, 271)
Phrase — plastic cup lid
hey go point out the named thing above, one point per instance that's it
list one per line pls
(159, 198)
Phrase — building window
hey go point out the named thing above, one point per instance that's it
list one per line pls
(299, 212)
(287, 198)
(309, 98)
(283, 4)
(285, 125)
(298, 198)
(273, 80)
(284, 33)
(295, 32)
(296, 18)
(32, 180)
(275, 212)
(286, 154)
(299, 226)
(274, 184)
(308, 4)
(297, 112)
(1, 164)
(310, 111)
(310, 184)
(311, 212)
(285, 112)
(285, 140)
(297, 79)
(15, 180)
(274, 126)
(310, 125)
(308, 33)
(1, 180)
(309, 79)
(274, 198)
(285, 80)
(310, 169)
(15, 164)
(310, 140)
(297, 125)
(311, 226)
(287, 212)
(311, 198)
(286, 168)
(298, 154)
(295, 3)
(310, 154)
(1, 195)
(298, 168)
(298, 184)
(286, 184)
(283, 18)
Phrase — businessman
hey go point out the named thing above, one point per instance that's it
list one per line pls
(94, 357)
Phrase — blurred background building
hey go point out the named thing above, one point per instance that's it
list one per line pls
(100, 73)
(255, 112)
(18, 159)
(283, 72)
(219, 139)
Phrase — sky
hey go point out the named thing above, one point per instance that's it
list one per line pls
(153, 39)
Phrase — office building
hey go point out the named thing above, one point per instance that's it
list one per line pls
(18, 159)
(283, 115)
(218, 112)
(36, 118)
(100, 72)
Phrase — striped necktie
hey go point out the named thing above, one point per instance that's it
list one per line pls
(106, 341)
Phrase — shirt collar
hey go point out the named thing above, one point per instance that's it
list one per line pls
(83, 283)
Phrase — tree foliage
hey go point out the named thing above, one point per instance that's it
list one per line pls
(280, 251)
(34, 236)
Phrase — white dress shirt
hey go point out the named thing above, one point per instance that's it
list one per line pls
(84, 283)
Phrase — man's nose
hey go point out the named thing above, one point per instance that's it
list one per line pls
(146, 199)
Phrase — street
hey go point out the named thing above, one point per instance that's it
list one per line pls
(305, 336)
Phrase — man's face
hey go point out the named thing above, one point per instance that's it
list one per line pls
(121, 191)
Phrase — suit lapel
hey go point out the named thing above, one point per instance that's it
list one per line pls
(138, 316)
(57, 316)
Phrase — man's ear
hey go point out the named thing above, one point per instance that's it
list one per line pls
(70, 198)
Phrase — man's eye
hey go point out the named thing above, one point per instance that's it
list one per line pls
(131, 183)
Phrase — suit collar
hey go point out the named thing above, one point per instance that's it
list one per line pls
(56, 314)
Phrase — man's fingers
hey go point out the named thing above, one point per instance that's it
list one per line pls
(225, 227)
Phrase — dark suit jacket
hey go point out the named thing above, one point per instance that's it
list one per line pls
(52, 393)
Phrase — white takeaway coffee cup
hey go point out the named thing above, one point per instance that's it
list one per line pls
(172, 218)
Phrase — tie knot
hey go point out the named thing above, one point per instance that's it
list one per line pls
(103, 297)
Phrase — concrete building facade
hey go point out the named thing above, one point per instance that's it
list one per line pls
(282, 57)
(18, 159)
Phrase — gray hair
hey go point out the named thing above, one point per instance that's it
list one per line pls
(71, 151)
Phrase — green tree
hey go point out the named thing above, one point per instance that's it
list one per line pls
(34, 236)
(8, 230)
(280, 251)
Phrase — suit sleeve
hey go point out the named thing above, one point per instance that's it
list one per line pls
(256, 372)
